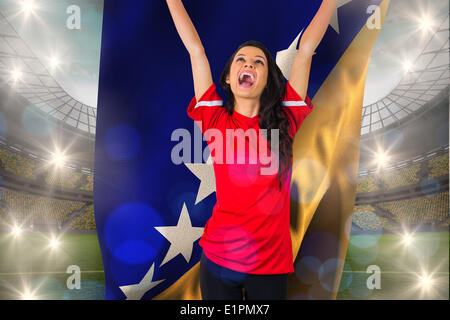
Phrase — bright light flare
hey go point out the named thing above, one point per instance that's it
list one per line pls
(59, 159)
(407, 65)
(426, 23)
(382, 159)
(28, 7)
(407, 239)
(54, 243)
(54, 62)
(426, 282)
(16, 75)
(16, 231)
(28, 295)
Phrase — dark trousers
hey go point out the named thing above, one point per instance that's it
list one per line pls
(219, 283)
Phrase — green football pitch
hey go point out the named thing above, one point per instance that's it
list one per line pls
(30, 267)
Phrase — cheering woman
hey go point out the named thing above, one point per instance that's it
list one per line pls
(247, 248)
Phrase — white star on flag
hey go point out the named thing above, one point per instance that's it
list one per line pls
(334, 22)
(181, 237)
(204, 172)
(285, 58)
(136, 291)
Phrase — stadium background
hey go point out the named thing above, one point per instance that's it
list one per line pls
(47, 137)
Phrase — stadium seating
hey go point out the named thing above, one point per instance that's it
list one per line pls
(365, 218)
(422, 209)
(28, 208)
(438, 166)
(386, 223)
(85, 221)
(3, 215)
(89, 186)
(366, 184)
(400, 177)
(17, 164)
(403, 177)
(29, 168)
(65, 178)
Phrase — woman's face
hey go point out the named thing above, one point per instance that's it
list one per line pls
(248, 73)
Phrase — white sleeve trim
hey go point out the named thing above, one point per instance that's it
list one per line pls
(294, 103)
(215, 103)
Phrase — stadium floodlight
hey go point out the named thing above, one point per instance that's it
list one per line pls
(28, 6)
(54, 243)
(426, 23)
(16, 231)
(407, 239)
(382, 159)
(426, 281)
(27, 295)
(54, 62)
(59, 159)
(407, 65)
(16, 75)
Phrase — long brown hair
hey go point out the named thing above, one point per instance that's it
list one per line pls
(271, 111)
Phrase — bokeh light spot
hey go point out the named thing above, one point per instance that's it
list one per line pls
(130, 235)
(328, 271)
(122, 142)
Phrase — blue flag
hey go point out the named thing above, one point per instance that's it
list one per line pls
(149, 211)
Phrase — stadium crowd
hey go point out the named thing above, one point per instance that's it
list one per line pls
(26, 208)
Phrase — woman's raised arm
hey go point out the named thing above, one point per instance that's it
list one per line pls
(201, 70)
(299, 75)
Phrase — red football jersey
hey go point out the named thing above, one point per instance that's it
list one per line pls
(249, 227)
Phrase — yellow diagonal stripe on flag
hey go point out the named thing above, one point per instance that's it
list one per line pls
(326, 161)
(325, 168)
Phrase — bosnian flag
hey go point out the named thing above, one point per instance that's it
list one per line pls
(150, 212)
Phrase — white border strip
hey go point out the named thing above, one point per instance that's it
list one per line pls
(294, 103)
(209, 103)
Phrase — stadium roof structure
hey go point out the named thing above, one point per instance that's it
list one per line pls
(29, 77)
(428, 76)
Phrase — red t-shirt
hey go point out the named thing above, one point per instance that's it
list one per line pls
(249, 227)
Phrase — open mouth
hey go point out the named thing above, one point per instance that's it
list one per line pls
(246, 79)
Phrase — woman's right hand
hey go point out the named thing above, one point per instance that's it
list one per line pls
(201, 70)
